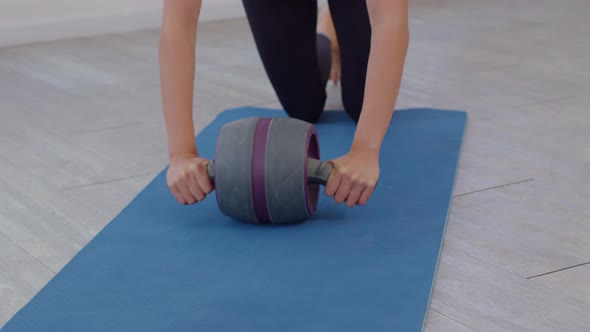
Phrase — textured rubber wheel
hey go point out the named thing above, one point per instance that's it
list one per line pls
(290, 198)
(261, 170)
(233, 169)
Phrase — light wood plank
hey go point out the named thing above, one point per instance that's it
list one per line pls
(528, 228)
(110, 198)
(21, 277)
(553, 140)
(62, 162)
(50, 226)
(437, 322)
(487, 298)
(142, 148)
(574, 282)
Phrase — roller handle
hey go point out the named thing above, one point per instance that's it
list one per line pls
(318, 171)
(211, 170)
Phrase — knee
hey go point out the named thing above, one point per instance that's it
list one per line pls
(306, 106)
(309, 114)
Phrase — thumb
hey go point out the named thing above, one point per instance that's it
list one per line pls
(334, 180)
(203, 177)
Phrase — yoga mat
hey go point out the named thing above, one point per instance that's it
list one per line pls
(161, 266)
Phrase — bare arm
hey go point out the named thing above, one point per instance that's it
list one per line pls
(389, 44)
(177, 72)
(187, 175)
(356, 173)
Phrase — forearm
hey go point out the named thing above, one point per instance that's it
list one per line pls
(177, 71)
(389, 43)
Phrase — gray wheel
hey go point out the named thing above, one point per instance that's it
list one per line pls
(233, 169)
(289, 196)
(261, 170)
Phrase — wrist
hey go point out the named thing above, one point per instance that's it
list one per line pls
(181, 143)
(365, 140)
(182, 153)
(365, 146)
(370, 130)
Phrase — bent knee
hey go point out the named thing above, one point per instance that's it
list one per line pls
(306, 109)
(309, 115)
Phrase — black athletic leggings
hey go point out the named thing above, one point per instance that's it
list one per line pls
(297, 60)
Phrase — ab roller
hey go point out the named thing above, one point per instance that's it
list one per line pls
(267, 170)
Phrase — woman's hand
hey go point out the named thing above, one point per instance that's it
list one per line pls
(354, 177)
(188, 179)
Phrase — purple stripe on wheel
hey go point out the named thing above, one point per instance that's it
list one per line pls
(312, 150)
(258, 161)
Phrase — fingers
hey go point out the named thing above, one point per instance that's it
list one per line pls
(355, 193)
(204, 181)
(176, 193)
(366, 194)
(199, 182)
(333, 182)
(358, 194)
(190, 184)
(349, 188)
(194, 187)
(343, 190)
(185, 192)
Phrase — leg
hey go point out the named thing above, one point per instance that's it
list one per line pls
(285, 35)
(353, 29)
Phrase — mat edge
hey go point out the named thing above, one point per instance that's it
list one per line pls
(447, 217)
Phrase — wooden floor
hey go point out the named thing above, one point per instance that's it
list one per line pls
(81, 133)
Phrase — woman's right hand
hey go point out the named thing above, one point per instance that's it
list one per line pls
(188, 179)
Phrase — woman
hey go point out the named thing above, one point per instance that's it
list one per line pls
(365, 41)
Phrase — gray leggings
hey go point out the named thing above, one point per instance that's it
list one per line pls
(297, 60)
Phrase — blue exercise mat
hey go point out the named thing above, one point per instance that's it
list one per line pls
(161, 266)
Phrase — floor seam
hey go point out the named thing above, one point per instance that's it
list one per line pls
(496, 266)
(105, 181)
(25, 250)
(544, 101)
(558, 270)
(584, 304)
(494, 187)
(91, 207)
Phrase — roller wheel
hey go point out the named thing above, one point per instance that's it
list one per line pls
(260, 170)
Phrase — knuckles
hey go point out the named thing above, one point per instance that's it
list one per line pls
(360, 180)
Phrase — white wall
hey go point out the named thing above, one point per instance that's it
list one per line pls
(24, 21)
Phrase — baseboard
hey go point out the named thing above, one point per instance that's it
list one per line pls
(119, 22)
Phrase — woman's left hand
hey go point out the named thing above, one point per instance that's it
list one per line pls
(354, 177)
